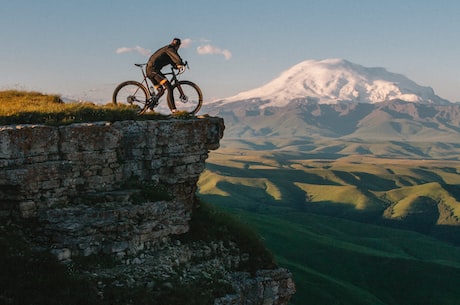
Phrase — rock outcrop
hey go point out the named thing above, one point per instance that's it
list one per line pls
(74, 183)
(45, 166)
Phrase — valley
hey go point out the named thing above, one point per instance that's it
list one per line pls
(357, 223)
(420, 194)
(352, 177)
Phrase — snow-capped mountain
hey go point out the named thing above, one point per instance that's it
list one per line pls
(331, 81)
(335, 98)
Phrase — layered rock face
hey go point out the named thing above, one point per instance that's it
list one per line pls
(73, 180)
(73, 183)
(46, 166)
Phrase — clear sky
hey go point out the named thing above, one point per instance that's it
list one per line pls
(84, 48)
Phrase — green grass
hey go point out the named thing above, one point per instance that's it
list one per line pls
(21, 107)
(352, 185)
(404, 198)
(209, 223)
(335, 261)
(330, 222)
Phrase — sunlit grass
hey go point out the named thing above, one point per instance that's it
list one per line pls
(404, 198)
(20, 107)
(340, 194)
(387, 188)
(209, 184)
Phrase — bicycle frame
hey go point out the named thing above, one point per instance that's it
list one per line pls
(173, 79)
(145, 79)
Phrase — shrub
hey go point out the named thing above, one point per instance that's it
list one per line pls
(209, 223)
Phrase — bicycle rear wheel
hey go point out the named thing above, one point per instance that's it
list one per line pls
(131, 93)
(186, 96)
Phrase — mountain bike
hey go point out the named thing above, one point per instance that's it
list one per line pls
(186, 95)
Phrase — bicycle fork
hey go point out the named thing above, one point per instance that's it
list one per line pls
(183, 98)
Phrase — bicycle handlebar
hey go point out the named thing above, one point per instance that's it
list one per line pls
(181, 69)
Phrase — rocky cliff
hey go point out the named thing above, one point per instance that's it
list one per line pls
(81, 188)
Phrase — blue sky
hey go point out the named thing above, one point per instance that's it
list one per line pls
(84, 48)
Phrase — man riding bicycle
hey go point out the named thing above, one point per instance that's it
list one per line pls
(164, 56)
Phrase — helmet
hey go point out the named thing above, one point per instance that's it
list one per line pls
(176, 42)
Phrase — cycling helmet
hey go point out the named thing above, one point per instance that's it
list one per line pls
(176, 42)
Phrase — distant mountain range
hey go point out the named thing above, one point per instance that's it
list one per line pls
(332, 81)
(335, 98)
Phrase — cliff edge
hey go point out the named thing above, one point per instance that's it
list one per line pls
(126, 191)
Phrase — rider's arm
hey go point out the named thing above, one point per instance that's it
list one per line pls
(176, 59)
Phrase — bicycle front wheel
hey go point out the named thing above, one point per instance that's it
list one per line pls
(186, 96)
(131, 93)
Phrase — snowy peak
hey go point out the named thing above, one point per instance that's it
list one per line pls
(331, 81)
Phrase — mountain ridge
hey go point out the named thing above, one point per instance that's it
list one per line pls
(349, 102)
(330, 81)
(392, 120)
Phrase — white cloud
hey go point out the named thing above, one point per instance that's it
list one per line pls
(137, 49)
(185, 43)
(210, 49)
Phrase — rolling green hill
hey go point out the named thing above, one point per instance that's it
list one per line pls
(421, 192)
(353, 228)
(336, 261)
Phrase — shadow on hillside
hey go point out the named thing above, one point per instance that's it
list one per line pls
(255, 201)
(341, 119)
(365, 181)
(422, 220)
(265, 146)
(277, 176)
(270, 188)
(450, 234)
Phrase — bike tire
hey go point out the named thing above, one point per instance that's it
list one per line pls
(193, 97)
(131, 93)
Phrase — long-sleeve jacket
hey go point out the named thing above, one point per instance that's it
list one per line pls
(167, 55)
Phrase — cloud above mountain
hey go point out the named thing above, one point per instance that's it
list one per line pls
(136, 49)
(210, 49)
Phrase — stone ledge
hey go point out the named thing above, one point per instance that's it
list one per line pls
(45, 166)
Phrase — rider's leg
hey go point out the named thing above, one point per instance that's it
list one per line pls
(171, 103)
(159, 87)
(153, 101)
(158, 79)
(159, 82)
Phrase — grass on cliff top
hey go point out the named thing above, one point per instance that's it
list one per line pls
(22, 107)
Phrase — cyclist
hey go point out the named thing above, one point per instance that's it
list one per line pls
(164, 56)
